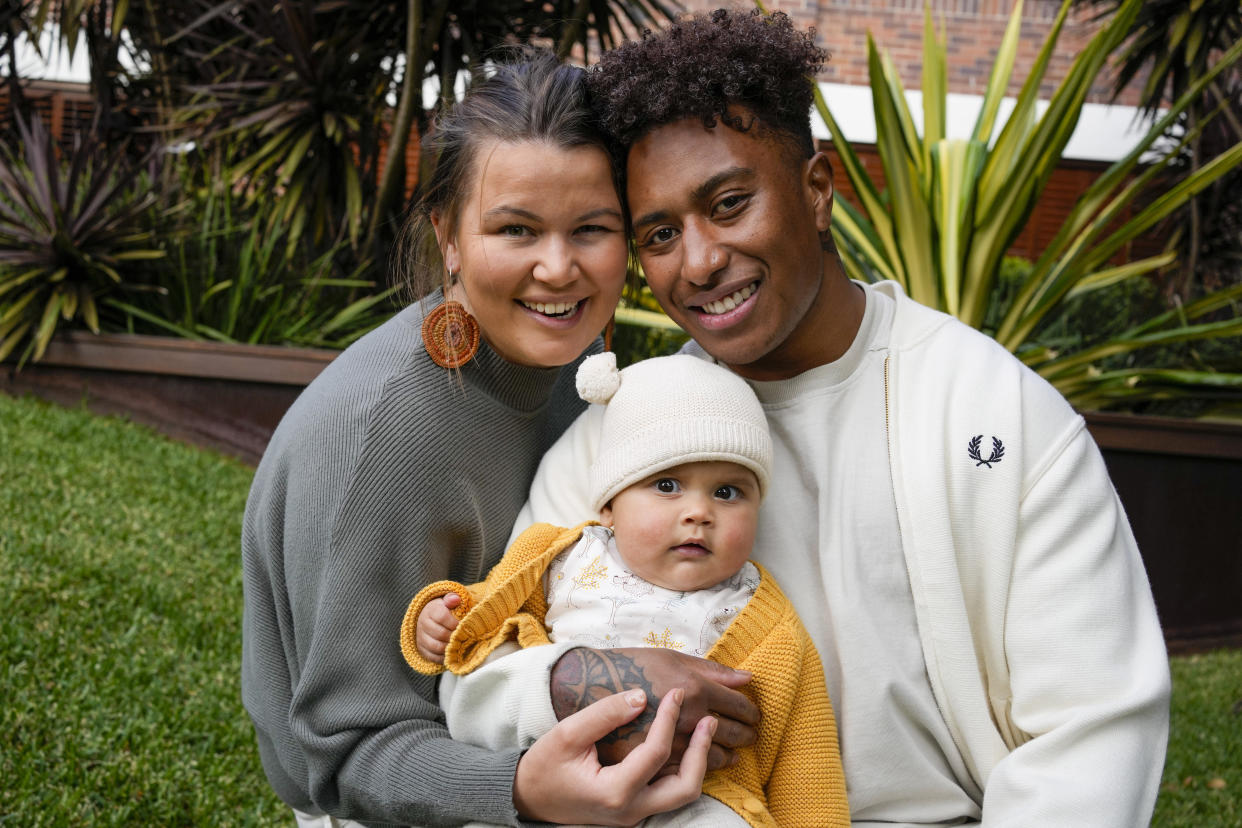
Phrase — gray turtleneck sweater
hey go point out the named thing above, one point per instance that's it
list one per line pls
(387, 473)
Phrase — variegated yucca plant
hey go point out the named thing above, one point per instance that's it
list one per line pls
(953, 207)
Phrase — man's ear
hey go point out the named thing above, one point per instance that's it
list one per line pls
(605, 515)
(819, 189)
(446, 240)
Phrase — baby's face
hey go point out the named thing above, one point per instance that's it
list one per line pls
(688, 527)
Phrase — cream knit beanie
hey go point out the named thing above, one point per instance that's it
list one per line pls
(666, 411)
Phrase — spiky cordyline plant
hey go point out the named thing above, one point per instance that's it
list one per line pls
(67, 233)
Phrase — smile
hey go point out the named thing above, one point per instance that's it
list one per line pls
(553, 309)
(729, 302)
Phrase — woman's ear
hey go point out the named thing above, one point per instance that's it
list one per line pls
(819, 190)
(446, 241)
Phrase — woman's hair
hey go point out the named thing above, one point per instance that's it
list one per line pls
(700, 66)
(525, 95)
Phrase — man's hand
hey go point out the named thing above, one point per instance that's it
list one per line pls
(583, 676)
(560, 779)
(435, 627)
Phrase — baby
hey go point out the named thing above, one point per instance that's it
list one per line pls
(683, 465)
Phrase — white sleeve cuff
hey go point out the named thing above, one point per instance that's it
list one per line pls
(506, 703)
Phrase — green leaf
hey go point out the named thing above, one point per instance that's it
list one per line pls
(353, 202)
(1115, 275)
(935, 84)
(14, 309)
(998, 80)
(956, 166)
(90, 314)
(12, 340)
(646, 319)
(47, 325)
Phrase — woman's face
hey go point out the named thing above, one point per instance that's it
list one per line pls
(539, 248)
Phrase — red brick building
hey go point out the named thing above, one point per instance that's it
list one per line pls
(974, 29)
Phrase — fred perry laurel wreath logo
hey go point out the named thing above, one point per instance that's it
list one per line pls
(998, 451)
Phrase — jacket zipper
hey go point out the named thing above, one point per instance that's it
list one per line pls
(888, 434)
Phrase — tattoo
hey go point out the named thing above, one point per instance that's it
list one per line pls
(584, 676)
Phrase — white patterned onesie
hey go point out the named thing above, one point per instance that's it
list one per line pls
(595, 600)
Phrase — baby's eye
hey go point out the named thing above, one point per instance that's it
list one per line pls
(667, 485)
(727, 492)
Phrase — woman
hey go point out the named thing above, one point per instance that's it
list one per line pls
(406, 462)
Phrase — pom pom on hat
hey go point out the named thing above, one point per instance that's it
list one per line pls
(667, 411)
(598, 378)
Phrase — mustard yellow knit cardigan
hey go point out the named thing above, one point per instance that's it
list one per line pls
(791, 776)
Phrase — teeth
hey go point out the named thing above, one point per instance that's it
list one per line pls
(729, 302)
(551, 308)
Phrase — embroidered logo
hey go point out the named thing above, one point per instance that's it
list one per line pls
(998, 451)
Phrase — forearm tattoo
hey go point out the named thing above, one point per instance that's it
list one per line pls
(584, 676)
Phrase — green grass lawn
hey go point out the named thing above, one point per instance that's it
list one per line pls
(120, 580)
(121, 585)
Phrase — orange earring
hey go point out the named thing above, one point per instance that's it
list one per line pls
(450, 335)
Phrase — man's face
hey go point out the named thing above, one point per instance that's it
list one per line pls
(728, 227)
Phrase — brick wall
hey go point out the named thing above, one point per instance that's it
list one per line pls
(973, 28)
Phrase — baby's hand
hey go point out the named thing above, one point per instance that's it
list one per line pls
(435, 626)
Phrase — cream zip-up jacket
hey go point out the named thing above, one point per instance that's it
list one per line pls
(1034, 611)
(1037, 623)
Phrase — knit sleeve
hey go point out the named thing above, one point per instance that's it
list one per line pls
(792, 775)
(807, 783)
(368, 727)
(513, 606)
(368, 491)
(409, 625)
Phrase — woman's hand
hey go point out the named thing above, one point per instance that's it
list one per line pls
(435, 627)
(560, 779)
(584, 675)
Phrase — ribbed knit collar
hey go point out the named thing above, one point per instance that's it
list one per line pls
(519, 387)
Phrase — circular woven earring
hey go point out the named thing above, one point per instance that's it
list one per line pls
(450, 335)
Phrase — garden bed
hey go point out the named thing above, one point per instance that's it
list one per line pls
(226, 397)
(1179, 479)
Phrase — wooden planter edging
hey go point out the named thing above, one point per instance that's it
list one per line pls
(1181, 484)
(226, 397)
(1180, 480)
(181, 357)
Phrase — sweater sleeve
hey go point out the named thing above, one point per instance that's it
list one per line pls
(515, 691)
(354, 509)
(503, 705)
(807, 784)
(409, 625)
(1087, 702)
(373, 738)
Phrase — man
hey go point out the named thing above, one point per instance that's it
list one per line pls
(939, 516)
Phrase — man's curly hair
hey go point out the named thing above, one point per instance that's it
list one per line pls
(700, 66)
